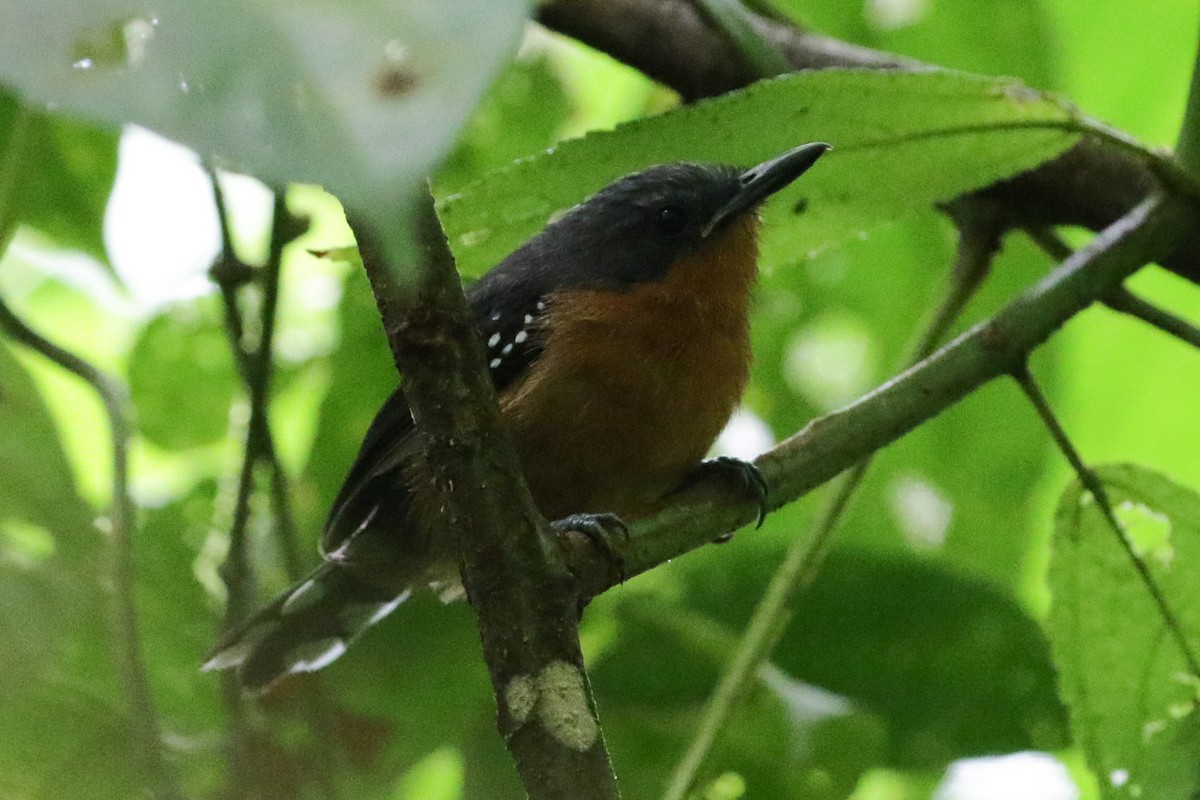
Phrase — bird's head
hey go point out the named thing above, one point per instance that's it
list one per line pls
(634, 230)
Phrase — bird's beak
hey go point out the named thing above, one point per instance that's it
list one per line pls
(759, 183)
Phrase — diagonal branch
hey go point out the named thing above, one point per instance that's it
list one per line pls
(833, 443)
(526, 601)
(1120, 298)
(1093, 184)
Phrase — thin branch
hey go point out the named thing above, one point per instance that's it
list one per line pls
(131, 664)
(833, 443)
(526, 601)
(1092, 483)
(980, 230)
(1129, 303)
(1121, 299)
(254, 363)
(1093, 184)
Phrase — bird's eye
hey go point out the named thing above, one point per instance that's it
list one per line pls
(672, 220)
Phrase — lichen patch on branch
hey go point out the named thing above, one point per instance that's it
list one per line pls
(558, 697)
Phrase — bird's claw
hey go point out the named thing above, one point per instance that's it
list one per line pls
(747, 477)
(601, 529)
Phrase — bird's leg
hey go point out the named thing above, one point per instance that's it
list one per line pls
(601, 529)
(743, 474)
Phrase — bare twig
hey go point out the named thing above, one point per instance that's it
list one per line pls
(526, 601)
(1127, 302)
(1092, 483)
(1120, 298)
(254, 363)
(979, 239)
(1093, 184)
(130, 659)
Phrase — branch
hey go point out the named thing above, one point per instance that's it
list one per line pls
(833, 443)
(131, 663)
(254, 364)
(1120, 298)
(526, 601)
(1092, 185)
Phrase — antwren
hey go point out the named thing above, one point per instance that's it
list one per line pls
(618, 341)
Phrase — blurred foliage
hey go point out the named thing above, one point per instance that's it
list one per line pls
(920, 644)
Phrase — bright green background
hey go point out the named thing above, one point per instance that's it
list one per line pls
(936, 648)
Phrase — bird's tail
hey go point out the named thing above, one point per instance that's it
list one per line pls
(304, 629)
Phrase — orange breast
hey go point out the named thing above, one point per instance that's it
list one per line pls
(633, 387)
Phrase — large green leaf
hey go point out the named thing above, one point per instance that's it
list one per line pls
(902, 141)
(363, 98)
(786, 739)
(62, 174)
(1129, 688)
(953, 667)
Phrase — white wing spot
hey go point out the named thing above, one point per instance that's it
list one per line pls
(311, 656)
(528, 318)
(507, 349)
(541, 306)
(496, 317)
(495, 362)
(495, 340)
(520, 337)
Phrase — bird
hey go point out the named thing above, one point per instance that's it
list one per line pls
(618, 340)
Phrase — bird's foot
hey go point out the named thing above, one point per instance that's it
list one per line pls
(601, 529)
(743, 474)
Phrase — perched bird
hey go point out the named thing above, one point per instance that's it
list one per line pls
(618, 341)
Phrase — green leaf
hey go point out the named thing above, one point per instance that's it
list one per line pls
(182, 377)
(522, 114)
(786, 739)
(363, 98)
(952, 666)
(62, 173)
(1132, 699)
(36, 484)
(902, 141)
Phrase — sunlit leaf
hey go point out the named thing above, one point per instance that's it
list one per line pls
(62, 173)
(1129, 688)
(36, 484)
(363, 98)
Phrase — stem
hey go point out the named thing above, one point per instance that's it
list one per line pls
(979, 240)
(1125, 301)
(1120, 298)
(837, 441)
(254, 367)
(526, 601)
(1092, 483)
(131, 664)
